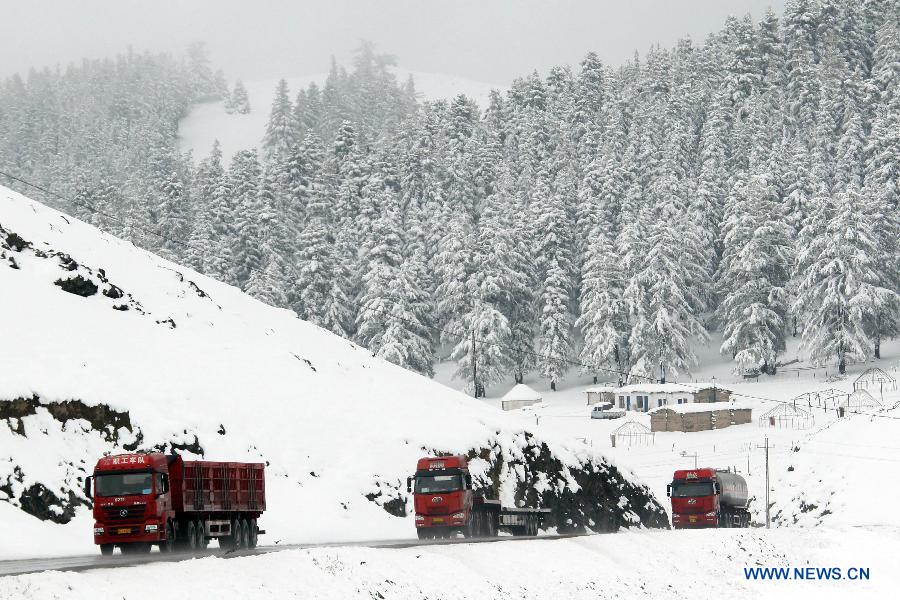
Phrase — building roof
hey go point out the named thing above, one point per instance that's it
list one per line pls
(522, 392)
(785, 409)
(657, 388)
(700, 407)
(601, 388)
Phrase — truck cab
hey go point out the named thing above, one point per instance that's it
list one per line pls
(695, 498)
(708, 498)
(132, 503)
(442, 494)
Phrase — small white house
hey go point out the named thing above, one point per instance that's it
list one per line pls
(520, 396)
(642, 397)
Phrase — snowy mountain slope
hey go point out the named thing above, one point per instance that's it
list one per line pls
(633, 565)
(208, 121)
(108, 347)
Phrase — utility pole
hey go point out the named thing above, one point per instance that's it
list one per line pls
(474, 366)
(685, 454)
(767, 478)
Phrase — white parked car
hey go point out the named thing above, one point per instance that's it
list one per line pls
(604, 410)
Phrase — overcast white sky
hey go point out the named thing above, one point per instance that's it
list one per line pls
(484, 40)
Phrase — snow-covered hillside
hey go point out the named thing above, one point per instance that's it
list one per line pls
(106, 346)
(207, 122)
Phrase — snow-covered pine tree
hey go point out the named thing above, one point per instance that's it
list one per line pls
(320, 291)
(837, 267)
(269, 282)
(282, 129)
(752, 288)
(603, 320)
(244, 179)
(240, 100)
(554, 227)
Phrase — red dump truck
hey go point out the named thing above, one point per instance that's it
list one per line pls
(446, 504)
(141, 500)
(708, 498)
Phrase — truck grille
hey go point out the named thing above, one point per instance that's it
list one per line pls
(113, 514)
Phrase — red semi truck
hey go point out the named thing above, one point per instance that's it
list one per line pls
(141, 500)
(445, 503)
(708, 498)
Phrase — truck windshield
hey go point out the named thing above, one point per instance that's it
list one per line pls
(123, 484)
(690, 490)
(437, 484)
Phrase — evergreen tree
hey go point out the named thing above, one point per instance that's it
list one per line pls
(240, 100)
(282, 130)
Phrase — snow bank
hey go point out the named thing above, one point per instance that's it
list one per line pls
(670, 564)
(143, 353)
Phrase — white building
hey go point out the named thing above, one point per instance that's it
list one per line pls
(520, 396)
(642, 397)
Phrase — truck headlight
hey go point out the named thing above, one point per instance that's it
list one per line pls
(458, 515)
(151, 527)
(420, 518)
(711, 514)
(98, 531)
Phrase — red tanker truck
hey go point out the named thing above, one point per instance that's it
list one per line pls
(708, 498)
(445, 503)
(141, 500)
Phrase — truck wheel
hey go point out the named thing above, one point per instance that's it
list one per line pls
(202, 542)
(254, 533)
(234, 540)
(245, 529)
(107, 549)
(469, 529)
(191, 539)
(168, 544)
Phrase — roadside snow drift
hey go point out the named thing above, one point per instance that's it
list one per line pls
(106, 347)
(630, 565)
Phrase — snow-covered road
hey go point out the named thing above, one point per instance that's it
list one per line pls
(632, 564)
(86, 562)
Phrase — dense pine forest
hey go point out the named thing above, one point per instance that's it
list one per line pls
(600, 218)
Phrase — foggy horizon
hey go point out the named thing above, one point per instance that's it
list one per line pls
(491, 44)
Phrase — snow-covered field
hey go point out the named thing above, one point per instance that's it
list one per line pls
(631, 565)
(208, 121)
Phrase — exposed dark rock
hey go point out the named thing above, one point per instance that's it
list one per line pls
(221, 430)
(197, 289)
(38, 501)
(78, 285)
(595, 506)
(15, 242)
(101, 417)
(171, 447)
(67, 262)
(114, 292)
